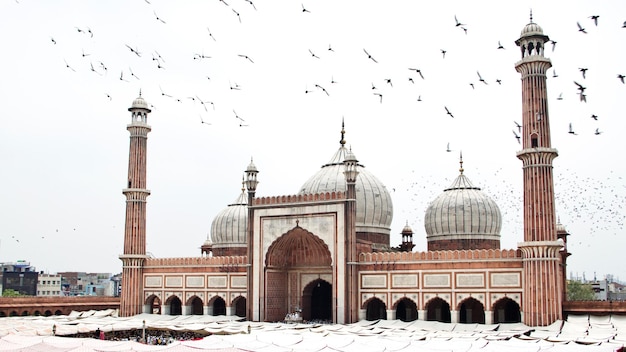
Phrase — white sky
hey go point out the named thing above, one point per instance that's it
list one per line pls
(64, 144)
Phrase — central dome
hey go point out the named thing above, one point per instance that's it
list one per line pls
(374, 208)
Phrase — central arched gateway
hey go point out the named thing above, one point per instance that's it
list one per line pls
(298, 277)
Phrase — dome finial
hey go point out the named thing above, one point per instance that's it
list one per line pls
(531, 15)
(461, 162)
(243, 183)
(343, 132)
(140, 92)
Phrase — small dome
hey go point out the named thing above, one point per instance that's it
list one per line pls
(463, 217)
(407, 229)
(531, 29)
(230, 226)
(139, 103)
(374, 208)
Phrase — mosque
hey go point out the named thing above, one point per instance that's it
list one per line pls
(325, 254)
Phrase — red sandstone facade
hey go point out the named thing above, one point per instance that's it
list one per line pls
(306, 254)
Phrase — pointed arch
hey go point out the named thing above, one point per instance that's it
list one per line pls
(438, 309)
(375, 309)
(196, 305)
(296, 248)
(154, 302)
(406, 309)
(176, 306)
(218, 306)
(317, 301)
(471, 311)
(506, 310)
(239, 304)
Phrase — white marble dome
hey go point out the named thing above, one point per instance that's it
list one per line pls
(139, 103)
(463, 213)
(229, 227)
(374, 208)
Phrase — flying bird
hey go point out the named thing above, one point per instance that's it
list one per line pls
(517, 137)
(621, 77)
(237, 116)
(448, 111)
(68, 66)
(553, 42)
(595, 117)
(330, 48)
(158, 18)
(595, 19)
(52, 40)
(443, 53)
(480, 78)
(369, 56)
(322, 88)
(571, 130)
(251, 3)
(583, 70)
(580, 87)
(237, 13)
(380, 95)
(458, 24)
(418, 71)
(246, 57)
(304, 9)
(448, 148)
(313, 55)
(597, 132)
(500, 45)
(519, 127)
(202, 120)
(388, 80)
(580, 28)
(211, 35)
(560, 97)
(554, 75)
(133, 50)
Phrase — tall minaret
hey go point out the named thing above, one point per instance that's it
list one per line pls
(543, 286)
(136, 196)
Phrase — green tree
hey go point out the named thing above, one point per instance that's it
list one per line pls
(11, 293)
(577, 291)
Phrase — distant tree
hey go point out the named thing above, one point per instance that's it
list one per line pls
(11, 293)
(577, 291)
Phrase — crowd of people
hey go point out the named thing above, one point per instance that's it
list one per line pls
(153, 336)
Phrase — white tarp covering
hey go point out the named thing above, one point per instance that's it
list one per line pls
(579, 333)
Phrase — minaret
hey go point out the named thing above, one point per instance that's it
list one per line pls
(136, 195)
(543, 286)
(351, 172)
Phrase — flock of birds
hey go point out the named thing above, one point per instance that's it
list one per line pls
(144, 59)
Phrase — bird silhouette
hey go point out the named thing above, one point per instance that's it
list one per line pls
(480, 78)
(304, 9)
(380, 96)
(581, 88)
(313, 55)
(499, 81)
(517, 137)
(158, 18)
(500, 45)
(595, 19)
(133, 50)
(388, 81)
(448, 111)
(419, 71)
(68, 66)
(597, 132)
(560, 97)
(457, 22)
(246, 57)
(583, 70)
(580, 28)
(237, 14)
(448, 148)
(571, 129)
(519, 127)
(237, 116)
(554, 75)
(553, 42)
(595, 117)
(621, 77)
(211, 35)
(411, 80)
(369, 56)
(251, 3)
(322, 88)
(330, 48)
(202, 120)
(52, 40)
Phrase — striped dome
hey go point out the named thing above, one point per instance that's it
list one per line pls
(230, 226)
(465, 215)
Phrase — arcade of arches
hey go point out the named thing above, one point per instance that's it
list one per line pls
(469, 311)
(195, 306)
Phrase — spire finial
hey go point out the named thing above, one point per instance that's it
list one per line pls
(461, 162)
(243, 183)
(343, 132)
(140, 92)
(531, 15)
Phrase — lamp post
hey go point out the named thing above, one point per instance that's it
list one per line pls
(143, 333)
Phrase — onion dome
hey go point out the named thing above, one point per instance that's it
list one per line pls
(531, 29)
(463, 217)
(229, 228)
(374, 208)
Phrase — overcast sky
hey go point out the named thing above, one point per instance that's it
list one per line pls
(291, 71)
